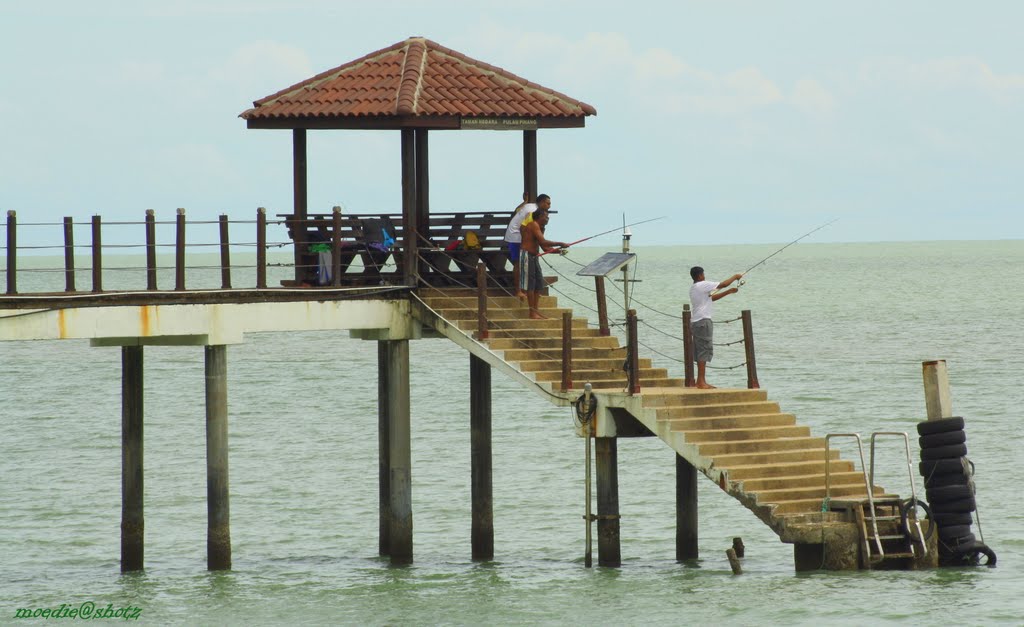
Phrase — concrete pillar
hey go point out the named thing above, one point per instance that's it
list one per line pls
(399, 451)
(132, 523)
(686, 510)
(480, 453)
(937, 398)
(384, 450)
(218, 532)
(608, 551)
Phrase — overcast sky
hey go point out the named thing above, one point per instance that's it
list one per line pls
(741, 121)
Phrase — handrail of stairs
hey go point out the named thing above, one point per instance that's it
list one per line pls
(910, 473)
(867, 483)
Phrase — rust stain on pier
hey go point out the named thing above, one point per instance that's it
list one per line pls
(61, 324)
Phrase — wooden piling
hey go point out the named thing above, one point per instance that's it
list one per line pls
(261, 248)
(734, 561)
(12, 252)
(383, 449)
(410, 239)
(566, 351)
(608, 549)
(132, 520)
(602, 306)
(481, 301)
(686, 510)
(97, 255)
(737, 546)
(179, 251)
(688, 348)
(482, 530)
(937, 397)
(399, 452)
(336, 246)
(748, 347)
(633, 351)
(225, 254)
(151, 281)
(299, 198)
(69, 254)
(218, 533)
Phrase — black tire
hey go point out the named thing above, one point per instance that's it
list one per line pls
(953, 532)
(940, 481)
(940, 426)
(947, 493)
(906, 521)
(948, 519)
(950, 451)
(972, 554)
(958, 506)
(942, 439)
(932, 467)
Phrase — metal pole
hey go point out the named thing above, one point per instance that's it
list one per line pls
(626, 235)
(588, 559)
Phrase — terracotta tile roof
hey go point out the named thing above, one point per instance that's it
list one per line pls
(416, 78)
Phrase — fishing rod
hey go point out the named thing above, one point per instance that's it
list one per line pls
(618, 228)
(807, 234)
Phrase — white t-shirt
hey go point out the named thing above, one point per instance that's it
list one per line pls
(700, 298)
(513, 234)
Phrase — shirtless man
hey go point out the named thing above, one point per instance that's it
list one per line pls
(702, 295)
(513, 235)
(531, 280)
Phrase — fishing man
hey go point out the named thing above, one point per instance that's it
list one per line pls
(514, 237)
(702, 295)
(531, 279)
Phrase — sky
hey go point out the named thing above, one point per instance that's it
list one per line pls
(740, 121)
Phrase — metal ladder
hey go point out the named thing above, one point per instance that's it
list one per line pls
(873, 503)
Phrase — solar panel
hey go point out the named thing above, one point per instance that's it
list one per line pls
(606, 264)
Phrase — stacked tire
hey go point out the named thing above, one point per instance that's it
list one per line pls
(949, 485)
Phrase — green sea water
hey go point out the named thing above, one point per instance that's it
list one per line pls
(841, 331)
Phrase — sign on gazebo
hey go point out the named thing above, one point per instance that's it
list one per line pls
(499, 124)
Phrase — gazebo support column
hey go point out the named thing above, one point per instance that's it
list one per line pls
(422, 178)
(410, 240)
(530, 165)
(300, 196)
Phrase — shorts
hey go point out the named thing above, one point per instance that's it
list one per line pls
(513, 251)
(531, 279)
(702, 331)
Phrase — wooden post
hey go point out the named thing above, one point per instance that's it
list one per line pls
(530, 165)
(608, 550)
(410, 240)
(179, 251)
(602, 306)
(566, 351)
(482, 530)
(336, 246)
(151, 282)
(482, 332)
(937, 397)
(12, 252)
(688, 348)
(422, 178)
(686, 510)
(737, 546)
(225, 254)
(383, 449)
(97, 255)
(299, 197)
(69, 254)
(261, 248)
(132, 520)
(633, 379)
(399, 452)
(734, 562)
(748, 346)
(218, 532)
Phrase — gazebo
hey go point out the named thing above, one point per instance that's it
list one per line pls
(414, 86)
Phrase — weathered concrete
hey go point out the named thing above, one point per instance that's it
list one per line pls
(132, 520)
(686, 510)
(396, 353)
(383, 449)
(482, 529)
(218, 536)
(609, 552)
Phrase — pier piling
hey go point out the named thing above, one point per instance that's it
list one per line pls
(132, 522)
(396, 357)
(480, 452)
(686, 510)
(608, 550)
(218, 533)
(384, 449)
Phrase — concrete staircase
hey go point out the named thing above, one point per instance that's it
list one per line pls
(736, 437)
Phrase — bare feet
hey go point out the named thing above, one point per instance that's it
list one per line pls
(706, 386)
(535, 315)
(521, 295)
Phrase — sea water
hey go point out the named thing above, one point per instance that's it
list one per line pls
(840, 329)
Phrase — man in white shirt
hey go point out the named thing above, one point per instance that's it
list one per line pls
(702, 295)
(514, 235)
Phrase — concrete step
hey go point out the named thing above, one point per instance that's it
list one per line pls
(538, 365)
(758, 471)
(524, 355)
(693, 396)
(546, 343)
(495, 314)
(718, 409)
(752, 446)
(740, 421)
(596, 376)
(803, 493)
(496, 302)
(773, 457)
(853, 478)
(467, 292)
(546, 328)
(619, 386)
(751, 433)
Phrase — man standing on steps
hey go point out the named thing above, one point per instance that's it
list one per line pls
(702, 295)
(514, 237)
(531, 279)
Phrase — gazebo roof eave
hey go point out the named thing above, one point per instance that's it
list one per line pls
(434, 122)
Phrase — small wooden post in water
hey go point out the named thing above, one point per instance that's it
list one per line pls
(69, 254)
(937, 397)
(225, 254)
(602, 306)
(218, 508)
(566, 351)
(132, 520)
(151, 282)
(688, 348)
(179, 251)
(482, 528)
(734, 562)
(481, 302)
(336, 246)
(97, 255)
(686, 510)
(748, 346)
(608, 549)
(261, 248)
(737, 546)
(633, 380)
